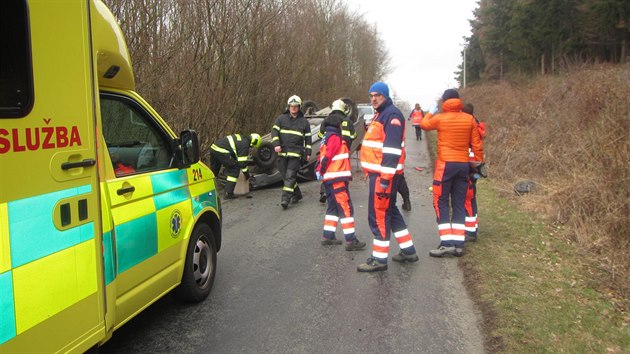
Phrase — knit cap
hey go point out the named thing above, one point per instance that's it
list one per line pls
(448, 94)
(380, 87)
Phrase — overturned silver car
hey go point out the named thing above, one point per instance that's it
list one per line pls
(263, 162)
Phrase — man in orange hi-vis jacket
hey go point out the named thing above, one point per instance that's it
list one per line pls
(457, 131)
(383, 160)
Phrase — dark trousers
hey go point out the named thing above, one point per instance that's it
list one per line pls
(418, 132)
(230, 169)
(289, 167)
(450, 185)
(403, 188)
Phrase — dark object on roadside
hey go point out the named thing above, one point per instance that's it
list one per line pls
(524, 187)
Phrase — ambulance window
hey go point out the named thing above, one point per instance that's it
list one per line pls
(16, 83)
(135, 142)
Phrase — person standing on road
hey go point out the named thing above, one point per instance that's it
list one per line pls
(347, 133)
(231, 152)
(457, 131)
(472, 223)
(333, 169)
(291, 138)
(382, 159)
(416, 117)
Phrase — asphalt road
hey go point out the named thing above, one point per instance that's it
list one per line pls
(277, 290)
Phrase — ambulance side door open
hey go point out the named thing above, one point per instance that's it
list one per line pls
(144, 186)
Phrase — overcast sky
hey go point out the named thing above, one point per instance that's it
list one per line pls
(424, 39)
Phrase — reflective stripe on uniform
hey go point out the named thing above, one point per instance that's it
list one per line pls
(219, 149)
(289, 154)
(292, 132)
(233, 146)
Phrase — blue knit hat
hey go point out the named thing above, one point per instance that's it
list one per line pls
(448, 94)
(379, 87)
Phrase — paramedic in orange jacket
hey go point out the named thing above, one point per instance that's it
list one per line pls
(333, 169)
(457, 131)
(416, 117)
(382, 159)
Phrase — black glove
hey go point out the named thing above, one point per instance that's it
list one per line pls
(246, 173)
(382, 192)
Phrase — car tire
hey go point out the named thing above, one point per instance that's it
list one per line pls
(354, 111)
(309, 107)
(200, 266)
(265, 156)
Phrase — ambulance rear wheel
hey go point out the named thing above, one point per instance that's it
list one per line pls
(200, 267)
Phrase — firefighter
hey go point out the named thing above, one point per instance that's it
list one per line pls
(291, 137)
(348, 133)
(382, 159)
(457, 131)
(334, 170)
(416, 117)
(231, 152)
(472, 220)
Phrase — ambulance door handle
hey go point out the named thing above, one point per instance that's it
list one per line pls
(125, 190)
(84, 163)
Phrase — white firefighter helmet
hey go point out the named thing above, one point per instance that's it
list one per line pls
(294, 100)
(340, 105)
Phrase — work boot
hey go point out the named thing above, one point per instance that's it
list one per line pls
(329, 242)
(447, 250)
(322, 198)
(372, 265)
(229, 196)
(470, 237)
(402, 257)
(296, 198)
(406, 205)
(284, 204)
(355, 245)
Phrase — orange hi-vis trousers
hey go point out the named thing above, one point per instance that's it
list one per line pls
(384, 217)
(472, 222)
(339, 208)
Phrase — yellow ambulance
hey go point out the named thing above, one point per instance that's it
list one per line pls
(103, 209)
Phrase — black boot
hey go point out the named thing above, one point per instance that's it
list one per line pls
(406, 204)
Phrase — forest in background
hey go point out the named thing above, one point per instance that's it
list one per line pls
(227, 66)
(524, 37)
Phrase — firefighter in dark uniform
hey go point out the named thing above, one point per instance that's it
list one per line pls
(339, 108)
(231, 152)
(291, 137)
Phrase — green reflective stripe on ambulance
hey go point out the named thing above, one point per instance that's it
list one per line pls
(170, 188)
(204, 200)
(30, 224)
(108, 257)
(7, 307)
(136, 241)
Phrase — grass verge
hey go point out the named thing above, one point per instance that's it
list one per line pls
(536, 292)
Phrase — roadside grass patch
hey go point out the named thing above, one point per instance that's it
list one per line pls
(537, 293)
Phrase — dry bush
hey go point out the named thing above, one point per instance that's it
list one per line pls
(570, 134)
(228, 66)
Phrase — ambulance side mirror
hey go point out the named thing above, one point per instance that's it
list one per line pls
(189, 145)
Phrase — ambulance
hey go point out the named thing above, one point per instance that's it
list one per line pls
(103, 208)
